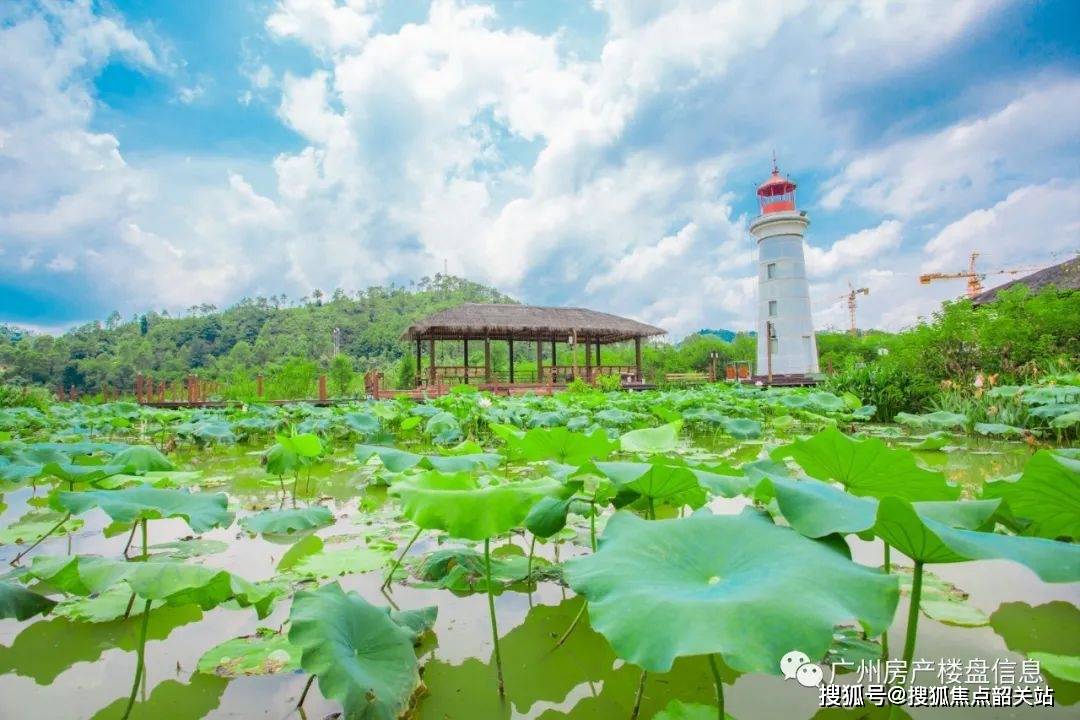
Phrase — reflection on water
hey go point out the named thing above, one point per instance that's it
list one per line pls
(66, 668)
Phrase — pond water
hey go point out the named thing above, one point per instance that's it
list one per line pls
(53, 668)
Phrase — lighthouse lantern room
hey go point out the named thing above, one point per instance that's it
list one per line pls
(785, 329)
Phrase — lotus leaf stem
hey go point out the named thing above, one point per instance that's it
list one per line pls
(145, 552)
(491, 613)
(139, 662)
(592, 525)
(577, 619)
(640, 694)
(303, 695)
(913, 613)
(131, 536)
(532, 550)
(41, 539)
(719, 686)
(397, 563)
(887, 566)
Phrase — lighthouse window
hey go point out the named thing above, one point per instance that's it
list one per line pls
(770, 271)
(772, 308)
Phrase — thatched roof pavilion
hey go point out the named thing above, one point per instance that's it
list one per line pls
(476, 321)
(530, 324)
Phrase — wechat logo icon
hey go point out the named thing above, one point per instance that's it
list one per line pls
(797, 666)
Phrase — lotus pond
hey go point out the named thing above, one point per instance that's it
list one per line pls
(578, 556)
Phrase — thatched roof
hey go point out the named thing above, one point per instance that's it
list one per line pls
(526, 322)
(1064, 276)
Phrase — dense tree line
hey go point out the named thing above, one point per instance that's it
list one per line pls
(260, 334)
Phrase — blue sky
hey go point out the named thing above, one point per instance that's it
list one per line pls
(163, 155)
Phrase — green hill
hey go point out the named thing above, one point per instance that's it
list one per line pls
(255, 335)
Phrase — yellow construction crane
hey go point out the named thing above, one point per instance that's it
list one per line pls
(850, 297)
(973, 277)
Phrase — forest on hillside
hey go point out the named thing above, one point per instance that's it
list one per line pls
(256, 334)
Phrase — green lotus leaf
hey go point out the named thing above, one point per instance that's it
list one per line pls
(417, 622)
(462, 463)
(1066, 420)
(461, 570)
(850, 645)
(734, 585)
(939, 420)
(362, 423)
(1048, 631)
(281, 460)
(741, 428)
(652, 440)
(308, 545)
(393, 459)
(107, 606)
(651, 480)
(333, 563)
(548, 516)
(1066, 667)
(264, 653)
(721, 479)
(934, 441)
(172, 583)
(72, 473)
(362, 658)
(287, 522)
(866, 467)
(80, 574)
(927, 539)
(22, 604)
(305, 445)
(561, 445)
(202, 511)
(34, 525)
(179, 584)
(999, 429)
(942, 601)
(827, 402)
(816, 509)
(17, 472)
(140, 459)
(1047, 495)
(463, 508)
(189, 548)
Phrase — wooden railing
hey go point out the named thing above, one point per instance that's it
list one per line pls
(549, 374)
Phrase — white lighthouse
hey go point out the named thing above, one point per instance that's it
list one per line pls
(785, 328)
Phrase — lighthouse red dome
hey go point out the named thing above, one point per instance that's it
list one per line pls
(777, 194)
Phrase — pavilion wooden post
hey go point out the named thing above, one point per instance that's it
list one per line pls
(138, 388)
(431, 362)
(539, 362)
(419, 365)
(465, 349)
(573, 351)
(323, 397)
(259, 386)
(637, 358)
(588, 361)
(598, 363)
(510, 342)
(554, 362)
(487, 360)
